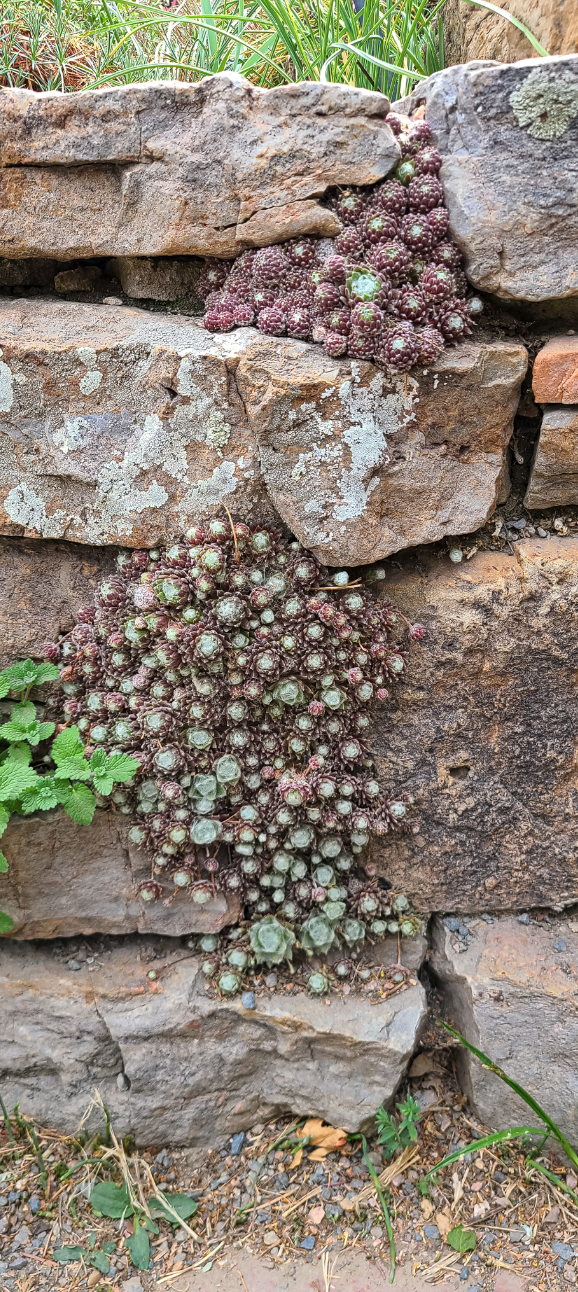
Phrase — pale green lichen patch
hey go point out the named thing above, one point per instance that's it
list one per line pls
(546, 102)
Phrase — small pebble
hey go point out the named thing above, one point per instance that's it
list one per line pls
(377, 1231)
(111, 300)
(34, 1203)
(464, 1273)
(237, 1143)
(542, 533)
(488, 919)
(248, 1000)
(559, 944)
(271, 980)
(431, 1231)
(74, 966)
(271, 1238)
(563, 1250)
(517, 1235)
(308, 1243)
(452, 923)
(523, 919)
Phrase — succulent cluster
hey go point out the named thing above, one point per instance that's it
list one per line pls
(241, 676)
(389, 288)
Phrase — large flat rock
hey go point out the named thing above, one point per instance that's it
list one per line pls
(167, 168)
(199, 1069)
(122, 425)
(508, 135)
(484, 732)
(554, 474)
(64, 879)
(511, 990)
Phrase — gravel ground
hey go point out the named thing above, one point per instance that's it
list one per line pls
(254, 1202)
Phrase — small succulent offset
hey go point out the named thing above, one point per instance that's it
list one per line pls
(389, 288)
(66, 774)
(240, 675)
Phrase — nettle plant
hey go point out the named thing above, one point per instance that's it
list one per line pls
(241, 675)
(389, 288)
(39, 772)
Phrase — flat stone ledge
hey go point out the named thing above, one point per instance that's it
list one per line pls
(199, 1069)
(554, 475)
(168, 169)
(122, 425)
(555, 372)
(64, 879)
(512, 993)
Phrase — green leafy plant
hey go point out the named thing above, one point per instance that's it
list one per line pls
(62, 776)
(548, 1129)
(139, 1247)
(91, 1255)
(462, 1240)
(397, 1133)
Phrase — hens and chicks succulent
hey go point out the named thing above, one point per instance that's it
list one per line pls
(388, 288)
(241, 675)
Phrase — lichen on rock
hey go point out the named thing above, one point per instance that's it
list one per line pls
(545, 102)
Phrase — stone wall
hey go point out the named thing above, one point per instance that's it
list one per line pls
(121, 425)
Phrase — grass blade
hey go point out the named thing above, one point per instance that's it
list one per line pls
(494, 8)
(518, 1090)
(497, 1137)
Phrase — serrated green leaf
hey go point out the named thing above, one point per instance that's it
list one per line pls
(3, 864)
(65, 1254)
(67, 745)
(24, 713)
(462, 1240)
(40, 799)
(121, 767)
(19, 753)
(73, 769)
(180, 1202)
(46, 672)
(139, 1248)
(78, 801)
(17, 677)
(4, 819)
(14, 779)
(15, 731)
(98, 761)
(103, 783)
(100, 1262)
(111, 1200)
(6, 922)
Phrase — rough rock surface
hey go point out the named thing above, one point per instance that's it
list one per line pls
(513, 993)
(122, 425)
(165, 279)
(43, 587)
(554, 475)
(508, 136)
(555, 372)
(199, 1069)
(65, 879)
(484, 731)
(472, 33)
(165, 169)
(27, 273)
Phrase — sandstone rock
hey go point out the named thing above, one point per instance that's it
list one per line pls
(554, 475)
(123, 425)
(65, 879)
(43, 587)
(199, 1069)
(165, 169)
(364, 466)
(483, 733)
(83, 279)
(512, 993)
(472, 33)
(508, 136)
(27, 273)
(120, 425)
(555, 372)
(165, 279)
